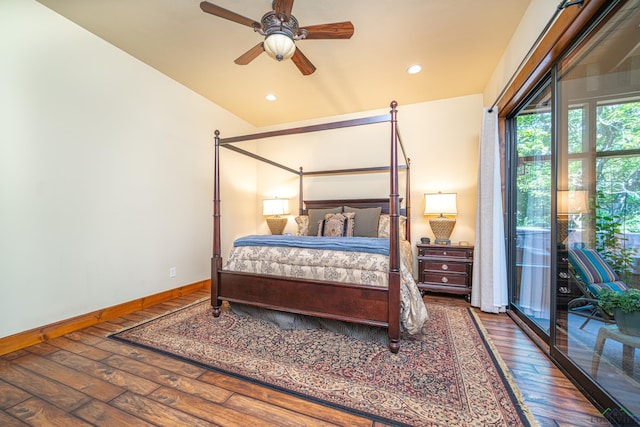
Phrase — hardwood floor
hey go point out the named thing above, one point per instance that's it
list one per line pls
(83, 379)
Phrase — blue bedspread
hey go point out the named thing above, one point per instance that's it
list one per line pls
(374, 245)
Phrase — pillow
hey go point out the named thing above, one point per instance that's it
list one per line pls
(337, 225)
(303, 225)
(366, 221)
(384, 226)
(317, 215)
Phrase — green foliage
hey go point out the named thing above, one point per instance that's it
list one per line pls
(627, 301)
(616, 175)
(611, 241)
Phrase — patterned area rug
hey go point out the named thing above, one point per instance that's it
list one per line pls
(445, 377)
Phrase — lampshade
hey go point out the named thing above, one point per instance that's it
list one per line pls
(275, 207)
(572, 202)
(440, 203)
(279, 46)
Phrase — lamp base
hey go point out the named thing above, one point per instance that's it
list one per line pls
(442, 228)
(276, 224)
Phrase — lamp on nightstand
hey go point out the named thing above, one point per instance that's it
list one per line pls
(441, 204)
(273, 209)
(571, 203)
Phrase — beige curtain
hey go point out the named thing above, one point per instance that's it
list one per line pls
(489, 291)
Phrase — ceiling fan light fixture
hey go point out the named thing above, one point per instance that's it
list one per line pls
(279, 46)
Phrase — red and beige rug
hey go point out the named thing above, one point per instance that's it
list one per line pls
(447, 377)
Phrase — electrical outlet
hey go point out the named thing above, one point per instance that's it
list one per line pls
(172, 272)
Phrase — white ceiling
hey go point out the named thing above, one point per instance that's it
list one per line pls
(458, 43)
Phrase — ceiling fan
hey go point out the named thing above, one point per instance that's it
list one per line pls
(281, 31)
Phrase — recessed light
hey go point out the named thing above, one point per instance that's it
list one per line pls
(271, 97)
(414, 69)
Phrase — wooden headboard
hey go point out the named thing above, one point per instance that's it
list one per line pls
(354, 203)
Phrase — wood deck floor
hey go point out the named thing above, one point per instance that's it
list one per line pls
(86, 379)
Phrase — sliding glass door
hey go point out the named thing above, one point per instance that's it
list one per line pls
(575, 185)
(533, 143)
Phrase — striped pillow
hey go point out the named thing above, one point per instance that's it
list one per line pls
(591, 267)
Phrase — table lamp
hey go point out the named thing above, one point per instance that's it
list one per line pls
(273, 209)
(441, 204)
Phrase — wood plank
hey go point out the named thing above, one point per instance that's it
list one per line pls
(206, 409)
(11, 395)
(104, 415)
(40, 413)
(78, 347)
(51, 391)
(91, 386)
(152, 358)
(7, 420)
(284, 400)
(154, 412)
(169, 379)
(105, 372)
(275, 414)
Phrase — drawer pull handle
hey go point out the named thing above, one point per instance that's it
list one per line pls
(564, 275)
(444, 253)
(445, 280)
(445, 267)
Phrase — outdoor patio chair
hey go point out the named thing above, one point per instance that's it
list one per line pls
(592, 274)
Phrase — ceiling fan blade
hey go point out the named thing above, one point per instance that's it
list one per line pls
(250, 55)
(302, 62)
(338, 30)
(227, 14)
(283, 7)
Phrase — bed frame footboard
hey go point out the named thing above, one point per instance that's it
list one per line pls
(367, 305)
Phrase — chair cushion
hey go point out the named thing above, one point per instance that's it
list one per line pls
(617, 286)
(591, 267)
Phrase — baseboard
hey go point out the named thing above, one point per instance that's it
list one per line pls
(53, 330)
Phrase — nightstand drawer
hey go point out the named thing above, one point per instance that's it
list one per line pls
(444, 279)
(445, 252)
(444, 265)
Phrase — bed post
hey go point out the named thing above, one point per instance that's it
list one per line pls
(216, 260)
(408, 199)
(300, 197)
(394, 244)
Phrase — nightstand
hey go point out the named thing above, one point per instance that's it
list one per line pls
(445, 268)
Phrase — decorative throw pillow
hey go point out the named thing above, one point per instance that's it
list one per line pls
(317, 215)
(366, 221)
(337, 225)
(384, 226)
(303, 225)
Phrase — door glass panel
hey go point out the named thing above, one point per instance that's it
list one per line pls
(598, 183)
(533, 209)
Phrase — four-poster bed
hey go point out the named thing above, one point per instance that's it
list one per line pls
(396, 305)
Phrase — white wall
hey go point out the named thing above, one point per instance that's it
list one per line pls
(532, 24)
(105, 173)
